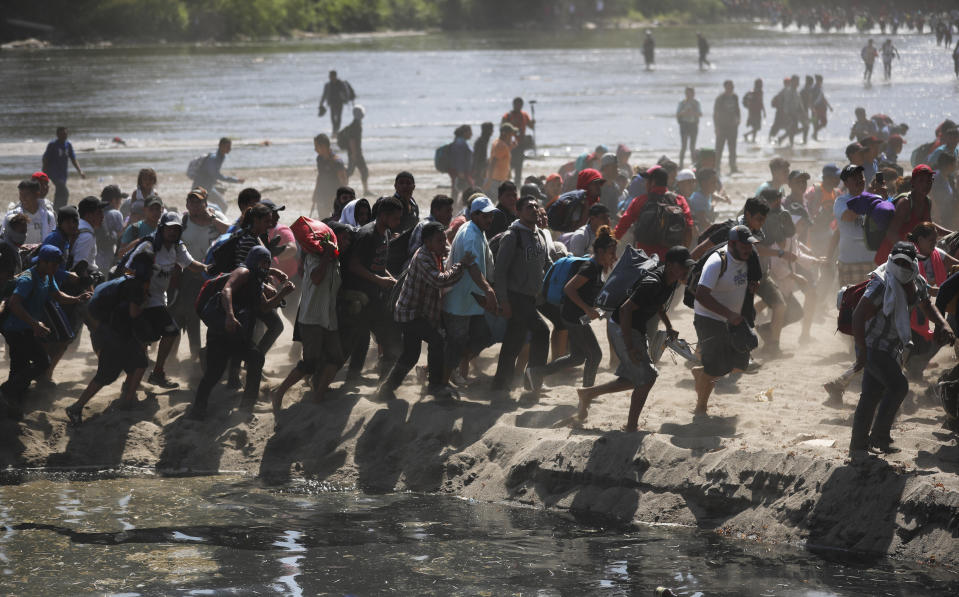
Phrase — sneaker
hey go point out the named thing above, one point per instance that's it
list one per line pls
(161, 380)
(75, 415)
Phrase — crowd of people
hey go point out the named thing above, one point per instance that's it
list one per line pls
(529, 267)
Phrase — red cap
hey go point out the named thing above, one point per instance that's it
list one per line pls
(921, 169)
(38, 175)
(554, 176)
(586, 176)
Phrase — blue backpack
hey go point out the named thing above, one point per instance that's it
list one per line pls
(222, 253)
(561, 272)
(105, 298)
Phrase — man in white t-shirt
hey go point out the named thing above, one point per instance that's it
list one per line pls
(41, 220)
(719, 302)
(170, 252)
(91, 217)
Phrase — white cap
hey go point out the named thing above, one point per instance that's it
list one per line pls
(685, 174)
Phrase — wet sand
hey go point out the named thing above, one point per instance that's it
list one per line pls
(768, 465)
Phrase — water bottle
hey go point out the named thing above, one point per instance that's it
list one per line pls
(584, 318)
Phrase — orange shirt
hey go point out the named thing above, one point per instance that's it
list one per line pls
(499, 155)
(521, 121)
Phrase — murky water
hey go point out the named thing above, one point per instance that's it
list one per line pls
(226, 536)
(172, 102)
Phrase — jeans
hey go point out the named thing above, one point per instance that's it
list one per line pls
(583, 348)
(28, 361)
(726, 134)
(465, 334)
(883, 385)
(687, 137)
(414, 334)
(220, 348)
(61, 195)
(524, 321)
(376, 318)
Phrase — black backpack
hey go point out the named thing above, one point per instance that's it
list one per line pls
(120, 267)
(661, 223)
(696, 272)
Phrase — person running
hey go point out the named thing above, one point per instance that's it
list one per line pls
(888, 52)
(209, 173)
(688, 113)
(703, 47)
(336, 93)
(649, 50)
(522, 122)
(912, 209)
(755, 110)
(418, 313)
(330, 175)
(659, 218)
(792, 111)
(230, 316)
(881, 328)
(118, 339)
(718, 310)
(522, 261)
(726, 117)
(169, 253)
(56, 159)
(868, 55)
(108, 234)
(627, 329)
(40, 218)
(577, 311)
(134, 232)
(350, 139)
(820, 108)
(583, 238)
(24, 329)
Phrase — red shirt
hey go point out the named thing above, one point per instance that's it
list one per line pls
(520, 121)
(633, 211)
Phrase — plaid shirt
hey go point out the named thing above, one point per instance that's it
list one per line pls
(421, 293)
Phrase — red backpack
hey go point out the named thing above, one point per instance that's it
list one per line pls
(210, 289)
(849, 297)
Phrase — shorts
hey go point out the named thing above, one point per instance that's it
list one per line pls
(854, 273)
(160, 323)
(769, 292)
(643, 374)
(716, 347)
(117, 355)
(320, 347)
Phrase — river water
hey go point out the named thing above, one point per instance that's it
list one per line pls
(171, 102)
(228, 536)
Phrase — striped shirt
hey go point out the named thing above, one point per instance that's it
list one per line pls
(421, 293)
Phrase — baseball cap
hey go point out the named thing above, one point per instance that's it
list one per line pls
(685, 174)
(508, 127)
(68, 211)
(269, 203)
(91, 203)
(850, 171)
(170, 219)
(921, 169)
(112, 191)
(905, 249)
(831, 170)
(482, 204)
(854, 147)
(743, 234)
(152, 200)
(680, 254)
(49, 253)
(598, 209)
(39, 175)
(608, 159)
(532, 190)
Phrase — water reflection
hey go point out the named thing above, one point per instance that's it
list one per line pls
(205, 536)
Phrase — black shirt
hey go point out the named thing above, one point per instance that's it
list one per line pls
(593, 273)
(130, 292)
(650, 294)
(501, 221)
(371, 249)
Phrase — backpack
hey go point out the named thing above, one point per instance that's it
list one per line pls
(222, 253)
(747, 99)
(846, 301)
(874, 229)
(210, 290)
(714, 228)
(920, 154)
(696, 272)
(120, 267)
(564, 214)
(193, 168)
(561, 272)
(441, 158)
(661, 223)
(778, 227)
(105, 299)
(631, 267)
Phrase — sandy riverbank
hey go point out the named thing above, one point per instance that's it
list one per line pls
(764, 469)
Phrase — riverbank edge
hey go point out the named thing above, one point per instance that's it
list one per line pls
(518, 454)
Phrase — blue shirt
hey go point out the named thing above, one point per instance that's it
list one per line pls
(459, 300)
(34, 295)
(58, 240)
(57, 157)
(699, 202)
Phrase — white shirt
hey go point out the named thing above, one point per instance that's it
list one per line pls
(318, 301)
(85, 246)
(166, 259)
(729, 288)
(40, 223)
